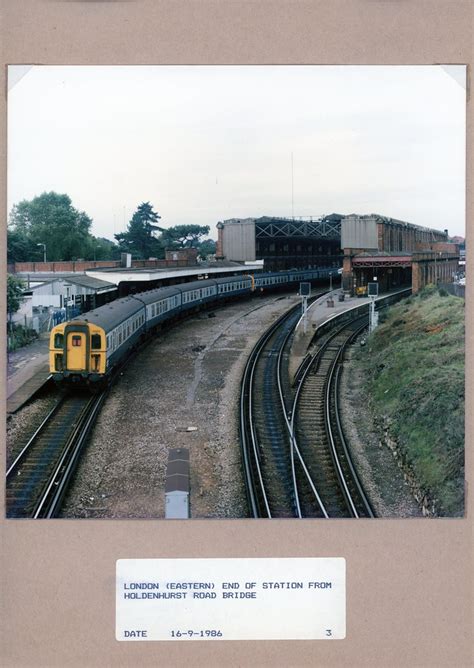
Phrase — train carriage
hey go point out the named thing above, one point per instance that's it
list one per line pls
(160, 304)
(234, 286)
(270, 280)
(86, 348)
(197, 293)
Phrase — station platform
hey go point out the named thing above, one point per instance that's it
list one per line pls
(28, 371)
(318, 313)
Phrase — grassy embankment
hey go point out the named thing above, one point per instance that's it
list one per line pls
(414, 365)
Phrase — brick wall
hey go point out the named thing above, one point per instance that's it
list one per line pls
(220, 241)
(179, 254)
(188, 259)
(53, 267)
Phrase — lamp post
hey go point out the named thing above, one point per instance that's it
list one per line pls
(44, 251)
(68, 287)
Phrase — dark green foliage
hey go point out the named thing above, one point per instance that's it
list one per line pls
(184, 236)
(21, 249)
(415, 373)
(103, 249)
(207, 247)
(139, 238)
(19, 336)
(51, 219)
(14, 294)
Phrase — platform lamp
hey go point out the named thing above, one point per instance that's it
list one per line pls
(44, 251)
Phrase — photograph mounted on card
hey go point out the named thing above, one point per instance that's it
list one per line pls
(236, 291)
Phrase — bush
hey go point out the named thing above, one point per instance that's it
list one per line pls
(20, 336)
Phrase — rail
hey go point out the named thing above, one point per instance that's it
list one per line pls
(38, 478)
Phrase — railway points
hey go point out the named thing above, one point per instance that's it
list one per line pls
(293, 464)
(296, 458)
(324, 312)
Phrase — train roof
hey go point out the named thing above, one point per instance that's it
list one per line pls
(232, 279)
(112, 314)
(151, 296)
(194, 285)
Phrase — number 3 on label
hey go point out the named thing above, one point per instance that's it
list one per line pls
(328, 632)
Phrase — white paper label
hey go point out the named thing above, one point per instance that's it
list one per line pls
(231, 599)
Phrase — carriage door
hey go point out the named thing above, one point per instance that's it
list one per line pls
(76, 351)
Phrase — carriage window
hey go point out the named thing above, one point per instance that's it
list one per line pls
(58, 340)
(76, 341)
(95, 342)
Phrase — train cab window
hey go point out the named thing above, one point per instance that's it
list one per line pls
(76, 341)
(58, 340)
(95, 342)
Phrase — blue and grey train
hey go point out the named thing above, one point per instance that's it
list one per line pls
(88, 348)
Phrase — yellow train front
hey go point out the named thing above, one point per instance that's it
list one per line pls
(77, 353)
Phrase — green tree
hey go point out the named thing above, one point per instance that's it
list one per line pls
(51, 219)
(14, 294)
(139, 239)
(207, 247)
(183, 236)
(104, 249)
(21, 249)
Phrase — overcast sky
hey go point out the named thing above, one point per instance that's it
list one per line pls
(203, 144)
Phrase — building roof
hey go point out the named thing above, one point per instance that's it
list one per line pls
(152, 274)
(92, 283)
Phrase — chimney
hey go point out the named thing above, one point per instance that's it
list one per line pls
(220, 241)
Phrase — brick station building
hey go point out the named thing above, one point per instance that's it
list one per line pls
(368, 247)
(394, 253)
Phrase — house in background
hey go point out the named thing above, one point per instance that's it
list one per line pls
(60, 298)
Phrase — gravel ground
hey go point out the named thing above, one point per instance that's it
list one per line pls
(187, 377)
(381, 477)
(21, 425)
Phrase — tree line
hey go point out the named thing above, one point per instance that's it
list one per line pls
(50, 224)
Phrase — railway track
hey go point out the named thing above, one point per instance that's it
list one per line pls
(291, 469)
(323, 462)
(296, 459)
(37, 479)
(265, 410)
(266, 456)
